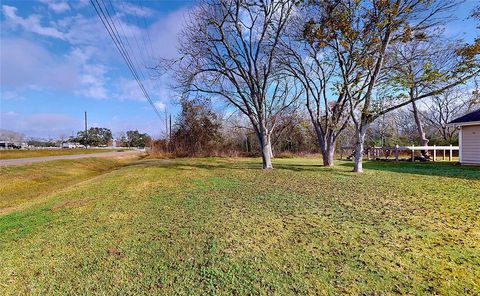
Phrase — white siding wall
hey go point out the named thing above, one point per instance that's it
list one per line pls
(470, 144)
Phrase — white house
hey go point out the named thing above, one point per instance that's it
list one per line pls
(469, 137)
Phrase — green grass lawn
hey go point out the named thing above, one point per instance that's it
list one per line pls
(224, 226)
(12, 154)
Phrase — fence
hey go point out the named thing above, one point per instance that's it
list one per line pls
(376, 152)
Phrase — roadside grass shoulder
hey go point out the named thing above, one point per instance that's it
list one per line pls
(28, 183)
(13, 154)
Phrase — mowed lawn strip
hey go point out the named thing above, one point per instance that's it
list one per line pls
(25, 184)
(14, 154)
(224, 226)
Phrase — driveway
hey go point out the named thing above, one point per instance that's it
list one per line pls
(22, 161)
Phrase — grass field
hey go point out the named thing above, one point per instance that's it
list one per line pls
(224, 226)
(22, 185)
(12, 154)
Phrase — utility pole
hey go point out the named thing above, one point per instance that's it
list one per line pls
(166, 124)
(170, 136)
(86, 131)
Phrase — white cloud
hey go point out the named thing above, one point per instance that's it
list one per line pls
(81, 3)
(159, 91)
(31, 23)
(128, 8)
(57, 6)
(80, 30)
(128, 89)
(11, 95)
(26, 64)
(40, 124)
(93, 76)
(76, 29)
(159, 105)
(164, 33)
(94, 88)
(83, 70)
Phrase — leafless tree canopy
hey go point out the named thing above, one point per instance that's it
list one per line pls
(344, 64)
(228, 50)
(362, 34)
(315, 68)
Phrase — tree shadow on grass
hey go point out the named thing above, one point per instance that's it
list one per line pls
(425, 169)
(185, 164)
(198, 163)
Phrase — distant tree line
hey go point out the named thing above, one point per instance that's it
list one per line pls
(100, 136)
(95, 136)
(199, 130)
(133, 139)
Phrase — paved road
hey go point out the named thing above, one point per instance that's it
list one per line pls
(21, 161)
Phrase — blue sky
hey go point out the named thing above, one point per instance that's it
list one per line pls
(57, 61)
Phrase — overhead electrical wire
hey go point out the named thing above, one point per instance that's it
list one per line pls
(112, 30)
(143, 58)
(144, 54)
(119, 23)
(148, 31)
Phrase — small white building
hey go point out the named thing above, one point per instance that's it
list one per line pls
(69, 145)
(469, 137)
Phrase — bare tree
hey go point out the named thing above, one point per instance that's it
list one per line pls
(315, 68)
(228, 50)
(443, 108)
(424, 66)
(7, 135)
(362, 34)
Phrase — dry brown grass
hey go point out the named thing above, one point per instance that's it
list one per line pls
(13, 154)
(21, 185)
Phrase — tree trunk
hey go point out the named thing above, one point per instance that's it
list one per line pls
(359, 146)
(327, 146)
(264, 140)
(327, 155)
(266, 156)
(329, 150)
(265, 147)
(421, 134)
(270, 148)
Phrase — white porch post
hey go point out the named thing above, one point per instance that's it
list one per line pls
(413, 153)
(460, 135)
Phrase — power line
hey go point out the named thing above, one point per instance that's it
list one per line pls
(146, 29)
(113, 32)
(122, 45)
(125, 37)
(144, 77)
(146, 55)
(134, 19)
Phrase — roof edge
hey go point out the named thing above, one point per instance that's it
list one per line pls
(466, 123)
(467, 119)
